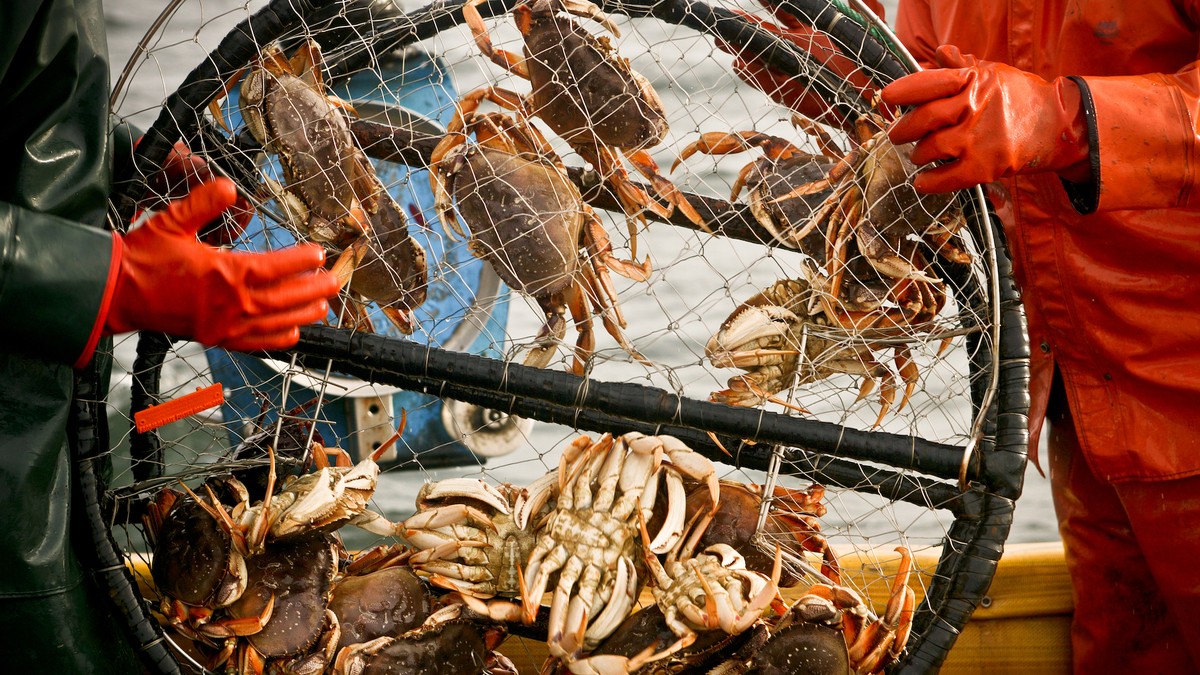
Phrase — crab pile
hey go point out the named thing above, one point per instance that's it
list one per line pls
(624, 514)
(256, 580)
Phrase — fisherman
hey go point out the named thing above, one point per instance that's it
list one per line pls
(1081, 120)
(65, 285)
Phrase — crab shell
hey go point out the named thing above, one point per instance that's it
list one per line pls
(581, 87)
(387, 602)
(775, 178)
(440, 645)
(644, 635)
(393, 271)
(299, 574)
(802, 648)
(195, 561)
(324, 170)
(525, 216)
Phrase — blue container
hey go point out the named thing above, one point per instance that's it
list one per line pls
(466, 307)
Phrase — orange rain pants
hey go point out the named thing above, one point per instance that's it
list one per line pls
(1125, 542)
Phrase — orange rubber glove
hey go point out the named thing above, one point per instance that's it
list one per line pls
(795, 92)
(166, 280)
(991, 120)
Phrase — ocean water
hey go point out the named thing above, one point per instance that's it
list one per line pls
(672, 319)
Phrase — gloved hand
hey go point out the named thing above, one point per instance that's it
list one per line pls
(168, 281)
(992, 120)
(797, 93)
(181, 172)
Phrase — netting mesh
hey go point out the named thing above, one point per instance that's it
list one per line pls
(888, 324)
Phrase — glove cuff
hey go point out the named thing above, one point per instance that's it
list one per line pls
(1085, 197)
(100, 327)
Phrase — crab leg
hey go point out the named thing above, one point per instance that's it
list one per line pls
(558, 639)
(240, 627)
(588, 10)
(541, 565)
(466, 487)
(507, 60)
(445, 161)
(624, 595)
(533, 498)
(908, 372)
(214, 107)
(591, 286)
(641, 160)
(600, 253)
(828, 147)
(552, 332)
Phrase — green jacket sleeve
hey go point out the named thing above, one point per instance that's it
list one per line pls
(55, 157)
(53, 276)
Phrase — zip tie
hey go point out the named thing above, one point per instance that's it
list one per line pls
(176, 409)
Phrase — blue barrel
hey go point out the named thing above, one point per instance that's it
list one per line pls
(465, 310)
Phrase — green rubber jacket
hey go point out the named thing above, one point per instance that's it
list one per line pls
(54, 265)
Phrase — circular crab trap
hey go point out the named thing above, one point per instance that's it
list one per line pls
(679, 220)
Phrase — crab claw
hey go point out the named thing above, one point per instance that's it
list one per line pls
(754, 336)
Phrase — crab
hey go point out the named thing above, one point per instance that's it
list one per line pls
(872, 642)
(321, 501)
(473, 538)
(292, 579)
(861, 225)
(377, 595)
(529, 221)
(590, 541)
(331, 194)
(447, 642)
(777, 174)
(237, 608)
(588, 95)
(774, 337)
(875, 213)
(791, 523)
(196, 568)
(709, 590)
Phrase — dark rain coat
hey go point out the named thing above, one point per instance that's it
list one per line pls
(54, 262)
(1113, 296)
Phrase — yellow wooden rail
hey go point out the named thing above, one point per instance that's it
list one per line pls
(1022, 626)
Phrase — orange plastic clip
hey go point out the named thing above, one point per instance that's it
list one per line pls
(179, 408)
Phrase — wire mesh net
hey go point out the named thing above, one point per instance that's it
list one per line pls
(613, 195)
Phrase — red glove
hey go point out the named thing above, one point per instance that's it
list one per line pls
(992, 120)
(168, 281)
(795, 92)
(183, 171)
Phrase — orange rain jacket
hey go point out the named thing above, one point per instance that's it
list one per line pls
(1113, 296)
